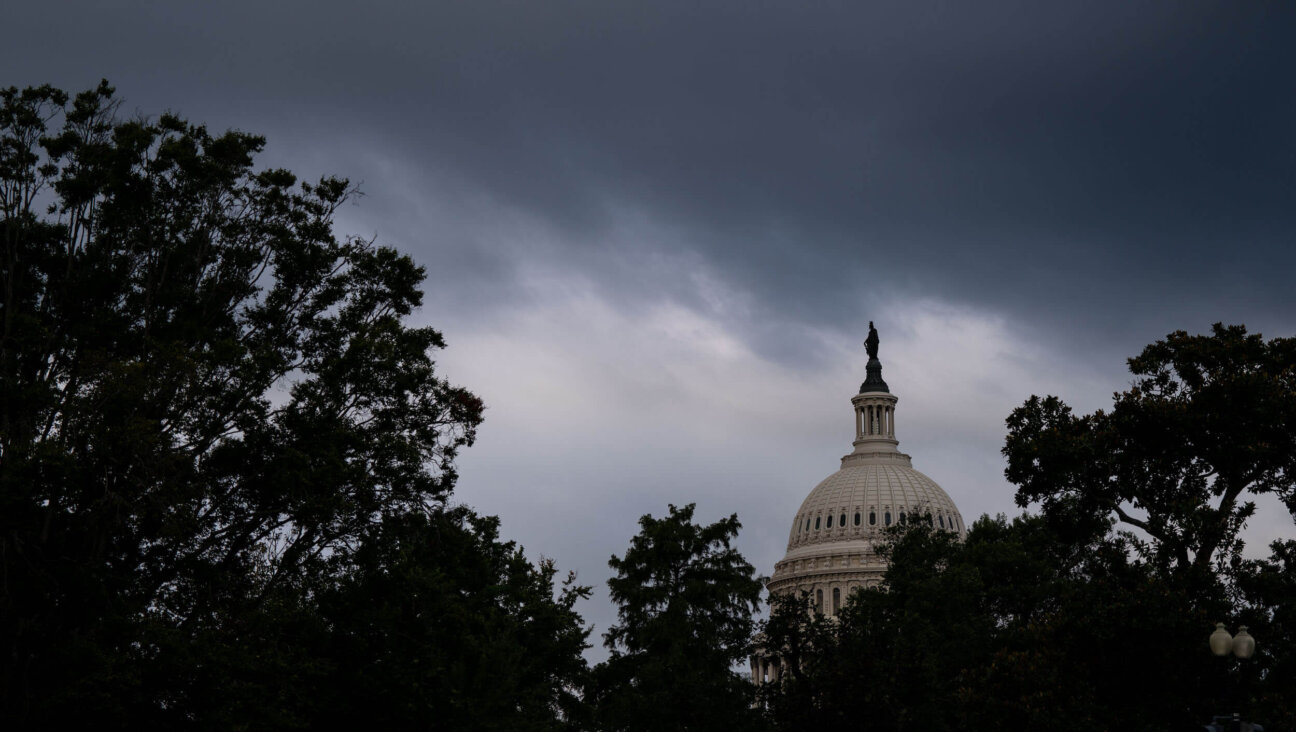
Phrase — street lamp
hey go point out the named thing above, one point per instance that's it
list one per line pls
(1241, 645)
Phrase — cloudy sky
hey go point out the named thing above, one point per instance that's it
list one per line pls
(655, 232)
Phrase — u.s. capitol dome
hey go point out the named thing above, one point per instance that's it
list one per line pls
(835, 534)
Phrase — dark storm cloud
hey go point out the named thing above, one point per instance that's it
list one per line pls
(1115, 165)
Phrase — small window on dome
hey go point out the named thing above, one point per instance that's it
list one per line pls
(857, 518)
(807, 528)
(841, 521)
(941, 519)
(887, 518)
(830, 520)
(816, 523)
(872, 518)
(902, 518)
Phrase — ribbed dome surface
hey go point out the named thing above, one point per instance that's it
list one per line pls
(878, 490)
(835, 536)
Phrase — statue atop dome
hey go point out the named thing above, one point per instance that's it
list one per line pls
(874, 381)
(871, 344)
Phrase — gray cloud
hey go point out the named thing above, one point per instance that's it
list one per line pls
(1025, 157)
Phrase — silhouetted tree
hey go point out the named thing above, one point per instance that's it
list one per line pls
(1207, 423)
(686, 600)
(1267, 592)
(898, 657)
(224, 454)
(1006, 630)
(456, 627)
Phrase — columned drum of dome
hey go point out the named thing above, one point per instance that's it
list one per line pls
(832, 545)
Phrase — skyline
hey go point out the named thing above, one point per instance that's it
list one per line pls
(655, 235)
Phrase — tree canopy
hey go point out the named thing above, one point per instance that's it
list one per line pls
(1209, 421)
(225, 453)
(686, 603)
(442, 624)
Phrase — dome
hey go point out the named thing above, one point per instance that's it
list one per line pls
(839, 525)
(871, 490)
(834, 536)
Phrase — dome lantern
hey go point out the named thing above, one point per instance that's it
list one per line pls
(874, 406)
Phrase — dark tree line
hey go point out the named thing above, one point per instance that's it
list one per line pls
(225, 457)
(226, 465)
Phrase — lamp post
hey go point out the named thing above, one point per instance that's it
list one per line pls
(1242, 646)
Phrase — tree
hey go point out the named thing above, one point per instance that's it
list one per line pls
(686, 602)
(1166, 476)
(805, 645)
(218, 435)
(443, 625)
(1008, 629)
(1207, 423)
(904, 656)
(1268, 593)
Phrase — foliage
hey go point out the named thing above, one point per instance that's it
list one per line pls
(224, 455)
(686, 601)
(1209, 421)
(802, 644)
(991, 633)
(1267, 592)
(900, 656)
(442, 616)
(904, 642)
(1094, 613)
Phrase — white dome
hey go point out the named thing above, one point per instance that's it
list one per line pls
(833, 540)
(872, 489)
(869, 493)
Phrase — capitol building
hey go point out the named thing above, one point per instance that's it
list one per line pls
(835, 534)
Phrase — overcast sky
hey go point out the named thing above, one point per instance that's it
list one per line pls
(655, 232)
